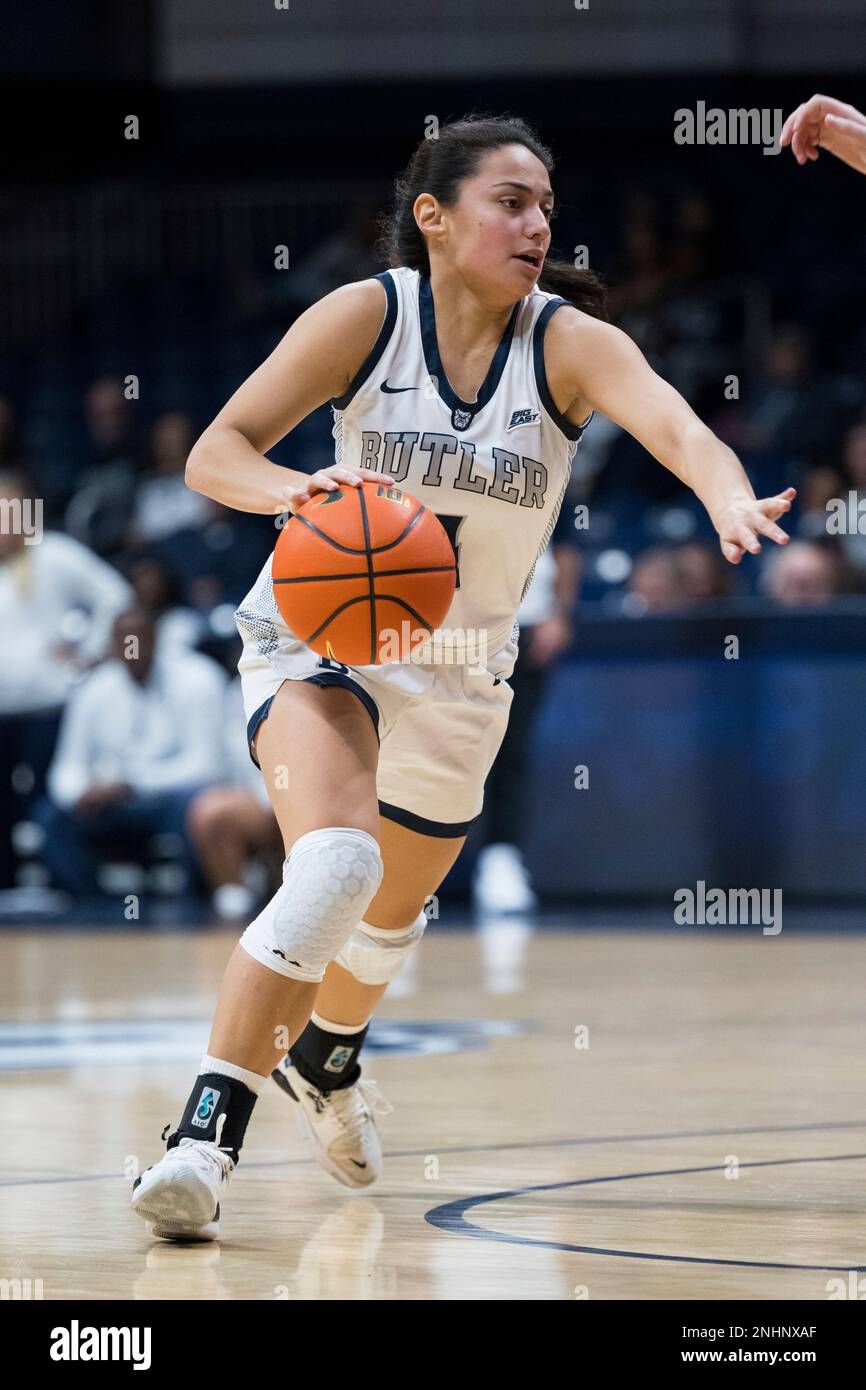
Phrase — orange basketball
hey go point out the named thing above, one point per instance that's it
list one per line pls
(364, 574)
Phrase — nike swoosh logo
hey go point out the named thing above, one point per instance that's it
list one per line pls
(356, 1163)
(393, 390)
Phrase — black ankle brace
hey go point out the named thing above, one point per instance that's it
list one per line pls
(328, 1061)
(212, 1096)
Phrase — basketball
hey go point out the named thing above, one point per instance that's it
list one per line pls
(363, 574)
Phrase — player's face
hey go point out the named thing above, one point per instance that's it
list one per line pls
(501, 222)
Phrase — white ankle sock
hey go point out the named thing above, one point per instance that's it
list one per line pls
(330, 1027)
(251, 1079)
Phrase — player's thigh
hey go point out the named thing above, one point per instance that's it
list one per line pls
(415, 865)
(318, 753)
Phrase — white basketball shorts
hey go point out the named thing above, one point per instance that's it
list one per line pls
(439, 726)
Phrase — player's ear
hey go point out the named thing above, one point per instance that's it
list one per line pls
(428, 213)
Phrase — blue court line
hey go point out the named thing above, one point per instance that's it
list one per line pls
(451, 1216)
(817, 1126)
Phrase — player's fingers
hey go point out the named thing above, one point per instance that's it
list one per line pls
(732, 553)
(745, 536)
(376, 475)
(843, 126)
(765, 527)
(774, 507)
(804, 140)
(357, 476)
(788, 127)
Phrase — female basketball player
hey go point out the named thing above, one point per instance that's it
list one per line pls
(461, 375)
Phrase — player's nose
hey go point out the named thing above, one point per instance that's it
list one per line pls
(537, 228)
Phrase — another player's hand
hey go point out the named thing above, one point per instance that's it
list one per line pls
(328, 480)
(743, 520)
(823, 123)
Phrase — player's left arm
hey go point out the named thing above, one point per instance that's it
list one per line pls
(592, 365)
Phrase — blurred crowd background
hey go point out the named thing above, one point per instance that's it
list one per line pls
(141, 288)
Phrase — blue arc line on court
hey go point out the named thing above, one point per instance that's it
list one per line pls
(451, 1217)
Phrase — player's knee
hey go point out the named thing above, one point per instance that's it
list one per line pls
(374, 955)
(329, 880)
(208, 813)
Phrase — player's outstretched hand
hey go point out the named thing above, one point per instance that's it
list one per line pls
(823, 123)
(328, 479)
(741, 522)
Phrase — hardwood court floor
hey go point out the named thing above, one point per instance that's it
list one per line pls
(708, 1142)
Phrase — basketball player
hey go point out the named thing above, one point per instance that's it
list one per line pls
(465, 374)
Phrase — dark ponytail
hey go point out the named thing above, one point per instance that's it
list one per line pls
(438, 166)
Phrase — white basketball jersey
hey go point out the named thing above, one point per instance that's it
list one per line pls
(494, 470)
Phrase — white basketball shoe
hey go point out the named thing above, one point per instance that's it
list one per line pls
(340, 1124)
(181, 1194)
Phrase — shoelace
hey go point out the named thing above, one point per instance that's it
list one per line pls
(206, 1154)
(354, 1104)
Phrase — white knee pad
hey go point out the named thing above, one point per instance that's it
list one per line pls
(374, 955)
(329, 880)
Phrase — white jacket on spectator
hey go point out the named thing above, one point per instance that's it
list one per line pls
(157, 735)
(39, 588)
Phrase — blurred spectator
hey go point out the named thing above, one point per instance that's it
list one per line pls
(98, 509)
(703, 572)
(697, 312)
(350, 253)
(655, 584)
(642, 273)
(57, 604)
(789, 411)
(159, 591)
(137, 743)
(209, 550)
(233, 823)
(854, 466)
(801, 574)
(820, 486)
(164, 504)
(111, 433)
(854, 456)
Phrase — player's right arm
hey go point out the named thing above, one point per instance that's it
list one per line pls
(317, 359)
